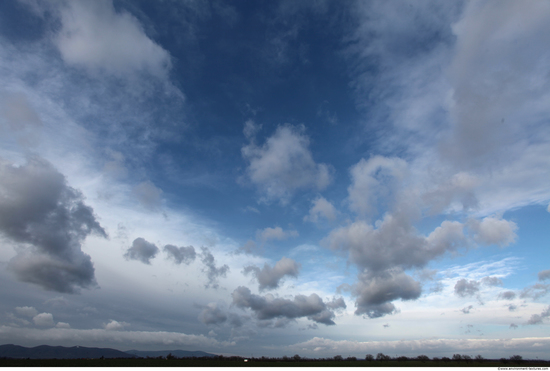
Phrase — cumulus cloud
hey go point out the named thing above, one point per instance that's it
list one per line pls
(269, 307)
(212, 272)
(466, 288)
(185, 255)
(26, 311)
(535, 291)
(375, 292)
(321, 209)
(284, 164)
(115, 325)
(544, 275)
(537, 319)
(373, 180)
(148, 195)
(494, 231)
(48, 221)
(62, 325)
(270, 277)
(141, 250)
(276, 233)
(95, 36)
(212, 315)
(43, 320)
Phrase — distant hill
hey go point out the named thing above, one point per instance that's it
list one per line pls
(164, 353)
(49, 352)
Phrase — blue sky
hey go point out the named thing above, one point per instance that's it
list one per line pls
(276, 177)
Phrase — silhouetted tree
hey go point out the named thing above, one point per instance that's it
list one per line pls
(446, 359)
(369, 357)
(402, 359)
(457, 357)
(516, 359)
(480, 358)
(382, 357)
(423, 358)
(297, 357)
(351, 359)
(338, 358)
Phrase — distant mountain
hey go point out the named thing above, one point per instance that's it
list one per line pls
(177, 353)
(49, 352)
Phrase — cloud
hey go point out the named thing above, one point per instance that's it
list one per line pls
(48, 221)
(26, 311)
(494, 231)
(375, 292)
(148, 195)
(212, 315)
(212, 272)
(43, 320)
(535, 291)
(269, 307)
(62, 325)
(544, 275)
(491, 281)
(115, 325)
(276, 233)
(321, 208)
(270, 277)
(372, 181)
(20, 118)
(141, 250)
(95, 36)
(537, 319)
(464, 288)
(284, 164)
(513, 326)
(180, 255)
(508, 295)
(466, 310)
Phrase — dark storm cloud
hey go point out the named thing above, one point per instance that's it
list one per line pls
(269, 277)
(544, 275)
(212, 315)
(269, 307)
(141, 250)
(375, 292)
(211, 270)
(48, 221)
(465, 288)
(185, 255)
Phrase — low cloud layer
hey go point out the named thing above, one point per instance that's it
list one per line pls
(269, 277)
(142, 250)
(269, 307)
(48, 221)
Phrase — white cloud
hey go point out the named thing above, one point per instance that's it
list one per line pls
(62, 325)
(494, 231)
(115, 325)
(321, 208)
(95, 36)
(284, 164)
(44, 320)
(269, 277)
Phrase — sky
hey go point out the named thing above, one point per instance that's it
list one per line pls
(269, 178)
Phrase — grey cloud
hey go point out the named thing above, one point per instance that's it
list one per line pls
(20, 117)
(148, 195)
(508, 295)
(284, 164)
(513, 326)
(493, 231)
(466, 310)
(269, 278)
(180, 255)
(465, 288)
(269, 307)
(535, 291)
(458, 189)
(141, 250)
(321, 208)
(212, 315)
(376, 292)
(44, 320)
(491, 281)
(26, 311)
(512, 307)
(48, 220)
(538, 318)
(336, 304)
(544, 275)
(211, 270)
